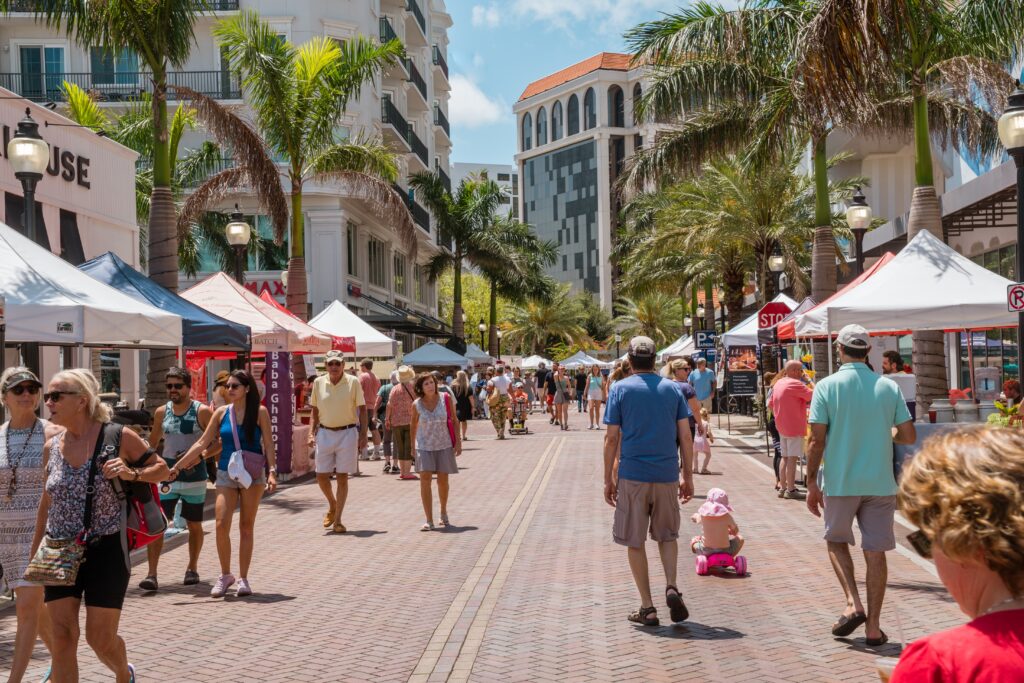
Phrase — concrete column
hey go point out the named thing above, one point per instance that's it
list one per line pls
(604, 218)
(327, 257)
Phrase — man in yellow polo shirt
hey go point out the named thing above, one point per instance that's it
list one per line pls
(338, 429)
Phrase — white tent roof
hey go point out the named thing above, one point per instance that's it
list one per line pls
(340, 321)
(745, 334)
(580, 358)
(928, 286)
(433, 354)
(680, 347)
(51, 302)
(272, 329)
(477, 355)
(533, 362)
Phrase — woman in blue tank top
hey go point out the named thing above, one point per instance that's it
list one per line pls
(245, 416)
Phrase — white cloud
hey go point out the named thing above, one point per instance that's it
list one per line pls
(604, 16)
(471, 107)
(488, 17)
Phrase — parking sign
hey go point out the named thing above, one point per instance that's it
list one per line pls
(705, 339)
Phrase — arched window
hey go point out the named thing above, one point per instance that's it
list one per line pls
(638, 93)
(573, 115)
(542, 127)
(616, 107)
(556, 121)
(527, 131)
(589, 109)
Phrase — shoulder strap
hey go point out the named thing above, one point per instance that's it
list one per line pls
(408, 392)
(234, 427)
(90, 488)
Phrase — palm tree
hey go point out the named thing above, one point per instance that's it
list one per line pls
(298, 96)
(656, 315)
(538, 324)
(459, 217)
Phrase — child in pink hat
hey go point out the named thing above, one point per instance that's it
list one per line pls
(721, 533)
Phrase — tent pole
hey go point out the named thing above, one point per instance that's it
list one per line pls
(828, 346)
(970, 358)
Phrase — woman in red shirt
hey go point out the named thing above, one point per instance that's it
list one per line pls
(965, 490)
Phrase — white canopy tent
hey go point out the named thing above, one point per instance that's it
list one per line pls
(581, 358)
(533, 362)
(745, 334)
(680, 347)
(337, 319)
(51, 302)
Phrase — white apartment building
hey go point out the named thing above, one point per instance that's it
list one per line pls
(575, 132)
(505, 175)
(350, 254)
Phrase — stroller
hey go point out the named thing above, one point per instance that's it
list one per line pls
(517, 417)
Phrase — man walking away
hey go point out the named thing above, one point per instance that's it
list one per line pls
(648, 431)
(179, 424)
(371, 385)
(581, 388)
(703, 382)
(789, 400)
(499, 405)
(894, 368)
(852, 415)
(338, 430)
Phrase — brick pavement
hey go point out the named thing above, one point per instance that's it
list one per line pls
(527, 587)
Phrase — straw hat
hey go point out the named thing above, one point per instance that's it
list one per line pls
(222, 377)
(406, 374)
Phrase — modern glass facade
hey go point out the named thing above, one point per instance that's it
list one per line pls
(560, 202)
(992, 348)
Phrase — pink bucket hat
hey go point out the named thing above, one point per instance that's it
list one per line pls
(716, 505)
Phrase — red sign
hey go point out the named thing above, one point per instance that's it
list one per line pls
(771, 314)
(1015, 297)
(274, 287)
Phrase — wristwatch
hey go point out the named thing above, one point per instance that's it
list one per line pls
(273, 470)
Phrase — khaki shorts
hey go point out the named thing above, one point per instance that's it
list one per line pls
(337, 451)
(401, 438)
(705, 403)
(644, 507)
(791, 446)
(874, 515)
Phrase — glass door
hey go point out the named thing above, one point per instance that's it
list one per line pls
(42, 71)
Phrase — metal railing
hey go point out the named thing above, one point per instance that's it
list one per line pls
(387, 31)
(440, 61)
(420, 216)
(441, 120)
(415, 78)
(389, 114)
(121, 86)
(414, 7)
(445, 180)
(418, 148)
(223, 5)
(37, 5)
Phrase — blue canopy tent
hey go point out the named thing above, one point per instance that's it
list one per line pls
(433, 355)
(200, 328)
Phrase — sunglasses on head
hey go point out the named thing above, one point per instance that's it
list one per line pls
(921, 544)
(22, 388)
(175, 386)
(234, 385)
(55, 396)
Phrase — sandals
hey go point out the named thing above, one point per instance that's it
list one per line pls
(877, 642)
(847, 624)
(444, 521)
(645, 616)
(429, 526)
(676, 606)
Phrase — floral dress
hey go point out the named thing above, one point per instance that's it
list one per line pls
(21, 486)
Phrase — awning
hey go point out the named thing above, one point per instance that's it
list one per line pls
(404, 320)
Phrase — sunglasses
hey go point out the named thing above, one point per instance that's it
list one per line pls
(334, 362)
(233, 385)
(921, 544)
(55, 396)
(175, 386)
(32, 389)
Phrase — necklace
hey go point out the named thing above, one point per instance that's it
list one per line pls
(1007, 601)
(12, 486)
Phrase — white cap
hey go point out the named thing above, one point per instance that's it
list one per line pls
(853, 337)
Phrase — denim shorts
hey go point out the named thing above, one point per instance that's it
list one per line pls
(223, 480)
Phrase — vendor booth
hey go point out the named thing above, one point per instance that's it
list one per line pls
(582, 359)
(477, 356)
(683, 346)
(745, 333)
(433, 356)
(338, 320)
(533, 362)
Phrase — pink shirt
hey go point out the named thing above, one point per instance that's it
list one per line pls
(790, 398)
(400, 405)
(371, 385)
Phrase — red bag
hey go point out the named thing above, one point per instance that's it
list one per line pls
(448, 412)
(142, 516)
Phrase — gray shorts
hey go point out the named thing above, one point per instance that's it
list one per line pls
(224, 481)
(874, 515)
(644, 507)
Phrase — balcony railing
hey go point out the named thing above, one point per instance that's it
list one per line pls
(439, 60)
(415, 78)
(223, 5)
(442, 121)
(414, 7)
(389, 114)
(121, 86)
(418, 148)
(387, 31)
(445, 180)
(36, 5)
(420, 216)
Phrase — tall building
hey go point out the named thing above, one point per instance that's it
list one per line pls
(351, 255)
(575, 132)
(505, 175)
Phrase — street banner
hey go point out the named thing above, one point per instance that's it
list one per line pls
(741, 370)
(280, 405)
(197, 368)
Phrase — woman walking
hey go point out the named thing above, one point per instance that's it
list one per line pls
(22, 477)
(73, 462)
(679, 370)
(530, 384)
(563, 391)
(463, 402)
(434, 446)
(596, 395)
(398, 418)
(243, 425)
(380, 410)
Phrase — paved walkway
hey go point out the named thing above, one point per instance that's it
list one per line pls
(527, 587)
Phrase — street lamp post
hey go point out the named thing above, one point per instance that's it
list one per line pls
(499, 345)
(483, 328)
(858, 216)
(618, 338)
(1011, 134)
(777, 264)
(238, 232)
(29, 154)
(688, 324)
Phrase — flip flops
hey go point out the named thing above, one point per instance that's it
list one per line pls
(847, 624)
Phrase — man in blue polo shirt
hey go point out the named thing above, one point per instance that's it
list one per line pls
(853, 413)
(648, 431)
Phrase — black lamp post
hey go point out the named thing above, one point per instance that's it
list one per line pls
(499, 344)
(483, 328)
(777, 264)
(858, 216)
(1011, 134)
(238, 232)
(29, 154)
(618, 338)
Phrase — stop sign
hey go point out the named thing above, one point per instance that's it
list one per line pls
(772, 313)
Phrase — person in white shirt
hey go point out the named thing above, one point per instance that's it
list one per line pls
(893, 368)
(497, 399)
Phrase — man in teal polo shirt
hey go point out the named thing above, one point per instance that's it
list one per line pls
(703, 382)
(853, 413)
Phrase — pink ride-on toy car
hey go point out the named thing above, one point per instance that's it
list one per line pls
(705, 563)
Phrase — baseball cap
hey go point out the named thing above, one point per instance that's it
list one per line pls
(642, 347)
(19, 377)
(334, 354)
(853, 337)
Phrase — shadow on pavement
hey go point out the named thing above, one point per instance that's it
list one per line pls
(692, 630)
(261, 598)
(457, 529)
(358, 533)
(890, 649)
(291, 505)
(939, 591)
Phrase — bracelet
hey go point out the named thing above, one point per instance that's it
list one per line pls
(135, 474)
(273, 470)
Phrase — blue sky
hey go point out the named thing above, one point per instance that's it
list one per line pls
(497, 47)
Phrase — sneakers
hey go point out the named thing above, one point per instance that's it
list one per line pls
(131, 673)
(364, 454)
(223, 583)
(377, 455)
(794, 494)
(149, 584)
(191, 578)
(243, 588)
(387, 468)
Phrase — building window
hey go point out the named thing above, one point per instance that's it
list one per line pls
(556, 121)
(527, 131)
(42, 71)
(401, 283)
(350, 243)
(376, 256)
(573, 115)
(113, 68)
(503, 177)
(589, 109)
(417, 283)
(542, 127)
(616, 107)
(637, 96)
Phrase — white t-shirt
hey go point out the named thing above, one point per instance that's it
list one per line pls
(907, 384)
(501, 383)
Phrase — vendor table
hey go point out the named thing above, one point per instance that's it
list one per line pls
(301, 464)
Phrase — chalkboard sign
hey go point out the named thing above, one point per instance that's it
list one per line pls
(741, 383)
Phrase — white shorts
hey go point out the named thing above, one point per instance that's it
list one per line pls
(337, 451)
(792, 446)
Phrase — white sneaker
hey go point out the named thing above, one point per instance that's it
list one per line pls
(377, 454)
(243, 588)
(221, 587)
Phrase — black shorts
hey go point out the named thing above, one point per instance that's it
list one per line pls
(190, 512)
(102, 577)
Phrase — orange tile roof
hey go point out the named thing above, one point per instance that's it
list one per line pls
(612, 61)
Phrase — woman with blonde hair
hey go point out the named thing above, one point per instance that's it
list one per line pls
(73, 461)
(22, 477)
(597, 394)
(965, 492)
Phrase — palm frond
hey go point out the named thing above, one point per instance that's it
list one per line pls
(382, 200)
(83, 109)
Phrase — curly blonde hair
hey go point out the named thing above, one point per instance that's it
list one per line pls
(86, 384)
(965, 491)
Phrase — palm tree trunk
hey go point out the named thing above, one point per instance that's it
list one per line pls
(929, 349)
(694, 323)
(492, 322)
(709, 303)
(458, 326)
(297, 296)
(732, 284)
(823, 253)
(163, 236)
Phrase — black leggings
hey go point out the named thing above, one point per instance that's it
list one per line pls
(776, 446)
